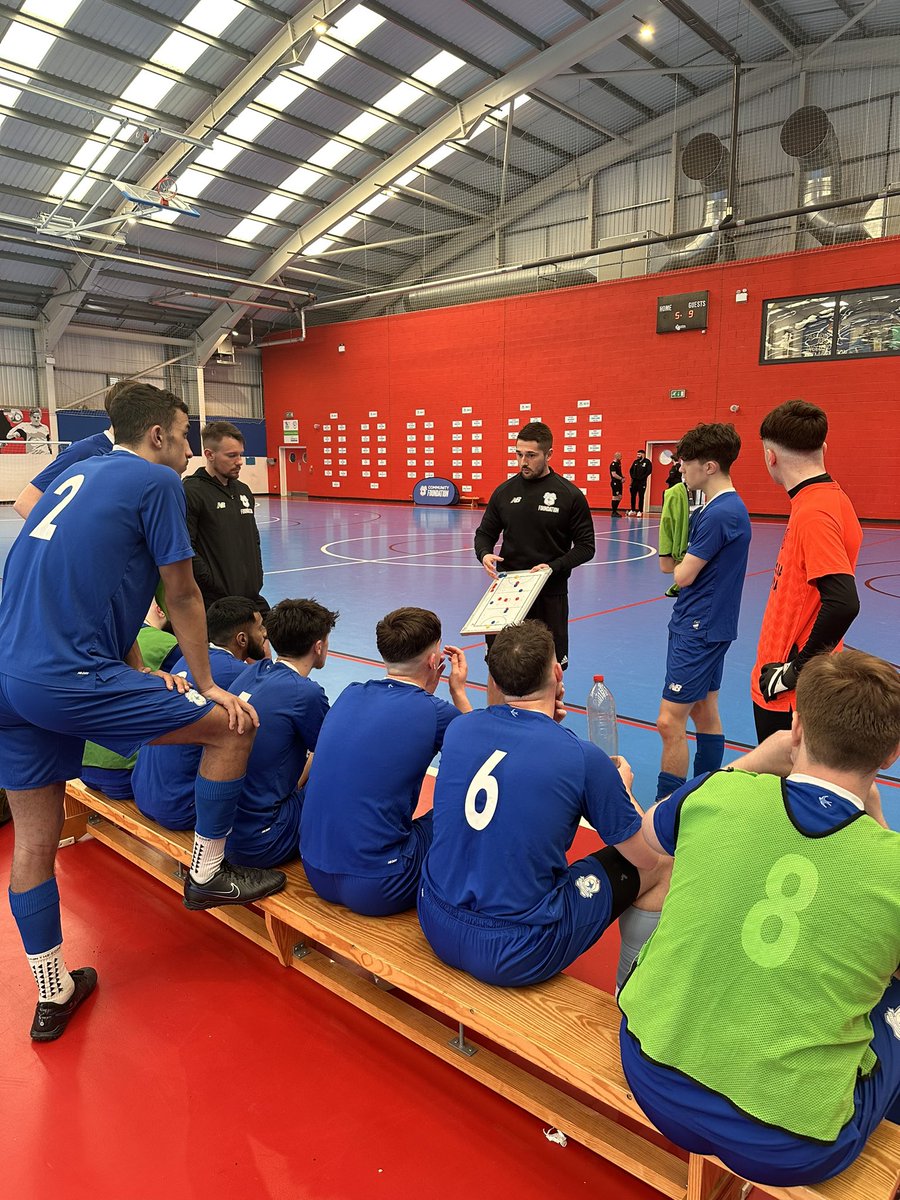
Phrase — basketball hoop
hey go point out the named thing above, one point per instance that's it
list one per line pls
(167, 190)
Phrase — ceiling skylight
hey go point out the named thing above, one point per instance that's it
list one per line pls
(280, 93)
(247, 230)
(24, 45)
(439, 68)
(213, 16)
(54, 12)
(147, 89)
(178, 52)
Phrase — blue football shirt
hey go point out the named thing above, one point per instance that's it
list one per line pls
(709, 607)
(90, 447)
(163, 778)
(291, 710)
(371, 756)
(511, 789)
(82, 572)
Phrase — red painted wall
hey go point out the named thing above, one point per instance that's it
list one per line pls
(452, 386)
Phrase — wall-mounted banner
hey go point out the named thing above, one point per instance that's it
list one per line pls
(435, 491)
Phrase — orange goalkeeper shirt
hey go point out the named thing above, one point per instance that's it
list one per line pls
(823, 537)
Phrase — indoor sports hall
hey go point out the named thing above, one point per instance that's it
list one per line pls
(379, 239)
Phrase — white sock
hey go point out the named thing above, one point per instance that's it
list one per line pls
(635, 926)
(206, 857)
(54, 981)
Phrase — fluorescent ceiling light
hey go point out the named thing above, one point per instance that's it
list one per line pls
(247, 230)
(280, 93)
(330, 154)
(363, 126)
(147, 89)
(55, 12)
(273, 206)
(399, 98)
(178, 51)
(248, 124)
(27, 46)
(213, 16)
(439, 68)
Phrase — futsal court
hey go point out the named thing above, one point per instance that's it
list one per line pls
(365, 559)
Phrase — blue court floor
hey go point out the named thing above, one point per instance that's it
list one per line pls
(365, 559)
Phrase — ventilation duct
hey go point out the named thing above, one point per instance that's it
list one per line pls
(709, 162)
(495, 287)
(809, 136)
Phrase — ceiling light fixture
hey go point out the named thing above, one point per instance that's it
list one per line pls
(646, 31)
(321, 26)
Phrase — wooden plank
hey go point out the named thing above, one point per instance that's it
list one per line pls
(246, 921)
(564, 1027)
(616, 1143)
(710, 1180)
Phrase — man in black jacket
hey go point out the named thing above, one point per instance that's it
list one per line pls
(546, 524)
(639, 472)
(221, 520)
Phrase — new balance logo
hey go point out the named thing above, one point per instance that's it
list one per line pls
(675, 687)
(221, 504)
(516, 500)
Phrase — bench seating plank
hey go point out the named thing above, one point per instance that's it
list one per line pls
(564, 1027)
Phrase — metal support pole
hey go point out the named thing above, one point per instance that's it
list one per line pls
(732, 166)
(460, 1044)
(504, 171)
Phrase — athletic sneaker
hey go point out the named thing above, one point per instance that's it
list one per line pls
(50, 1019)
(232, 885)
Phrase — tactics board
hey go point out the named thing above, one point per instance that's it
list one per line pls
(506, 602)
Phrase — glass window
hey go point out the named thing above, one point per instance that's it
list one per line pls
(860, 323)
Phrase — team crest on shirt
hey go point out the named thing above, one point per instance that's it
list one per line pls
(892, 1020)
(193, 697)
(245, 502)
(549, 504)
(588, 885)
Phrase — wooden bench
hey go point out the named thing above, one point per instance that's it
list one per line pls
(565, 1029)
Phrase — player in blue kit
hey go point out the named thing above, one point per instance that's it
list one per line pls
(498, 898)
(164, 777)
(291, 709)
(704, 621)
(89, 447)
(88, 597)
(762, 1019)
(361, 846)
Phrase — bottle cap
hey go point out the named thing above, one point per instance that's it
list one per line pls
(598, 679)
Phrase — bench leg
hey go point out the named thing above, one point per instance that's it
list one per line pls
(709, 1181)
(75, 819)
(460, 1045)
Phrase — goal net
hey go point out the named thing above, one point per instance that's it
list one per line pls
(21, 460)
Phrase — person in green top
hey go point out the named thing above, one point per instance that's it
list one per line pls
(673, 524)
(762, 1018)
(103, 769)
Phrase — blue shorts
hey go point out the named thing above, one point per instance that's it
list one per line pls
(44, 729)
(704, 1122)
(509, 954)
(379, 895)
(693, 668)
(114, 782)
(257, 843)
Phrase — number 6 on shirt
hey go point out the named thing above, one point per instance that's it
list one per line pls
(484, 781)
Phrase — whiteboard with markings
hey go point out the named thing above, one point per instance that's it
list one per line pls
(506, 602)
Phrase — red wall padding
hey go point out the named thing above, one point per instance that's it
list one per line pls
(452, 386)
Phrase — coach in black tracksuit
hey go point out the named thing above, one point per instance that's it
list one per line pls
(221, 519)
(545, 521)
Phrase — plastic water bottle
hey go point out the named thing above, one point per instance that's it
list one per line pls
(601, 714)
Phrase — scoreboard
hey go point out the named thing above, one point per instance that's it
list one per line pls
(676, 314)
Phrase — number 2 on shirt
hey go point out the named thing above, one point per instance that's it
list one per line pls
(45, 529)
(484, 781)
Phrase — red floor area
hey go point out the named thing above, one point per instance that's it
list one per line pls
(202, 1068)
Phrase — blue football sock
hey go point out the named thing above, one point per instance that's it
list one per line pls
(710, 752)
(666, 784)
(36, 912)
(216, 801)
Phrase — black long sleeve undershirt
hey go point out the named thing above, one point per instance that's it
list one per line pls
(840, 607)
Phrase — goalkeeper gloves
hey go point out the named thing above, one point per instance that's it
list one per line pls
(776, 678)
